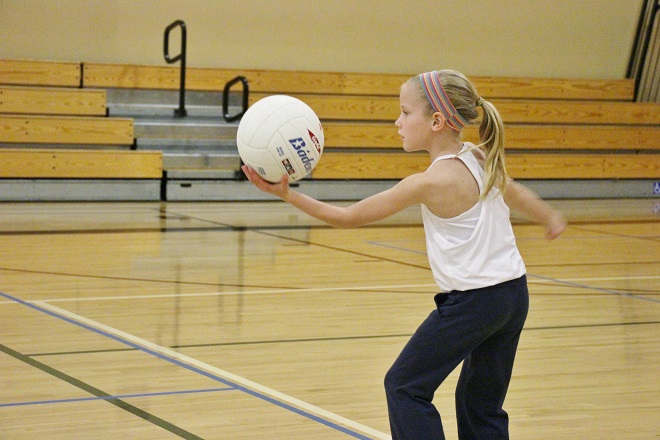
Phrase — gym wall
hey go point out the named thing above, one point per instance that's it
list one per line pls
(549, 38)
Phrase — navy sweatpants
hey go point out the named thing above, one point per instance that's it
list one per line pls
(480, 327)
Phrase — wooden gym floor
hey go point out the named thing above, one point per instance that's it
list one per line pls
(250, 320)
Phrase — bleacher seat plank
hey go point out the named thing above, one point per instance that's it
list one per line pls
(584, 166)
(203, 79)
(371, 84)
(291, 82)
(533, 137)
(40, 73)
(503, 87)
(555, 88)
(360, 135)
(380, 108)
(130, 76)
(365, 166)
(576, 137)
(579, 112)
(80, 164)
(356, 108)
(264, 81)
(52, 101)
(339, 165)
(66, 130)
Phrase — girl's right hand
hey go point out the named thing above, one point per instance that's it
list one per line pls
(279, 189)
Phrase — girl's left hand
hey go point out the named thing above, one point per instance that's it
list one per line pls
(555, 226)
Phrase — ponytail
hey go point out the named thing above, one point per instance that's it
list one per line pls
(491, 135)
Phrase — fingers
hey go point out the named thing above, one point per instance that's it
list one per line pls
(253, 176)
(264, 185)
(246, 171)
(249, 173)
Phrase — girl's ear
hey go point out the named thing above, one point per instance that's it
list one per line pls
(438, 121)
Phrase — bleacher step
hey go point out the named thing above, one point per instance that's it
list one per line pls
(136, 102)
(201, 161)
(155, 96)
(190, 128)
(139, 110)
(201, 174)
(187, 145)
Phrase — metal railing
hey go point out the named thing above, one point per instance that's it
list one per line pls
(225, 98)
(181, 111)
(644, 65)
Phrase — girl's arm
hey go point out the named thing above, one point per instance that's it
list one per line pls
(526, 201)
(529, 203)
(377, 207)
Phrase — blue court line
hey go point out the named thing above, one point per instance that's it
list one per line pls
(121, 396)
(171, 360)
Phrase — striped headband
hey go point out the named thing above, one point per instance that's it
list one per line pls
(440, 101)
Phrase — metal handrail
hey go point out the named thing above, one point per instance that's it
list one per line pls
(225, 98)
(181, 111)
(640, 52)
(238, 174)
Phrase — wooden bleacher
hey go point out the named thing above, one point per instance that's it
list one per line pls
(581, 139)
(40, 73)
(51, 128)
(518, 111)
(79, 164)
(65, 130)
(52, 101)
(332, 83)
(556, 128)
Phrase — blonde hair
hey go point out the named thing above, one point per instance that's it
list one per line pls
(465, 99)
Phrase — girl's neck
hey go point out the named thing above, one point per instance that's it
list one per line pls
(448, 146)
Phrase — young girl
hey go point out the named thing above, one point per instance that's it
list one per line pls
(465, 197)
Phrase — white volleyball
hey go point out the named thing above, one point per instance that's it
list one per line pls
(280, 135)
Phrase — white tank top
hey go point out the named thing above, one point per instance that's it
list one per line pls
(476, 248)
